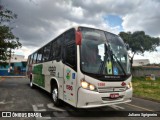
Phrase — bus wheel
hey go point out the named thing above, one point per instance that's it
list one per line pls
(31, 84)
(55, 98)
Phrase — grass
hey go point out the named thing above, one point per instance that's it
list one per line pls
(149, 89)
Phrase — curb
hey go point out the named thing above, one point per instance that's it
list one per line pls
(13, 76)
(150, 99)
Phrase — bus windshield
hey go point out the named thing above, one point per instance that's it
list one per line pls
(103, 53)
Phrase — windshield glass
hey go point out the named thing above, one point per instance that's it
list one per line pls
(103, 53)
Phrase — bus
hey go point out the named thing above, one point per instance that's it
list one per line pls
(84, 67)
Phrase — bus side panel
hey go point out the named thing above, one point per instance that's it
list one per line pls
(58, 74)
(37, 76)
(70, 86)
(53, 70)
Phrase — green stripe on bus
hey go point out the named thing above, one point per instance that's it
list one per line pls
(38, 77)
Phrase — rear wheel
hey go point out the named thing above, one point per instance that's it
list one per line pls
(31, 83)
(55, 98)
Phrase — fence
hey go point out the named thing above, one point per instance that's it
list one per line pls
(143, 71)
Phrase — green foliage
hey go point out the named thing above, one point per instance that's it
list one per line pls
(8, 41)
(148, 89)
(139, 42)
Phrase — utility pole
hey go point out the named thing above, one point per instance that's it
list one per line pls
(10, 57)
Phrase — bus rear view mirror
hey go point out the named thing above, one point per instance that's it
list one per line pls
(78, 38)
(127, 46)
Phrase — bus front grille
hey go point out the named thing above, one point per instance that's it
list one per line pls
(111, 89)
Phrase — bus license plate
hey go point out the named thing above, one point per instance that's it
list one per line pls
(114, 96)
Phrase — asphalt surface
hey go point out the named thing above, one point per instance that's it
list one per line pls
(17, 97)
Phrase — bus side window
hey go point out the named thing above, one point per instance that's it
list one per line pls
(53, 50)
(70, 36)
(70, 56)
(46, 52)
(58, 48)
(31, 59)
(34, 58)
(39, 55)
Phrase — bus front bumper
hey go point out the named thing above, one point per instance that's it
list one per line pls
(91, 99)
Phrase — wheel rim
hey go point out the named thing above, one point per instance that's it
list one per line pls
(55, 94)
(31, 84)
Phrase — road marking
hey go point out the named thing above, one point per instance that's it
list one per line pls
(4, 102)
(61, 113)
(51, 106)
(57, 112)
(139, 107)
(35, 108)
(119, 107)
(112, 106)
(116, 107)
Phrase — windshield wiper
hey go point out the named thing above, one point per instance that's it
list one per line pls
(110, 52)
(118, 62)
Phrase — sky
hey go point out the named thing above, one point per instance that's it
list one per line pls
(40, 21)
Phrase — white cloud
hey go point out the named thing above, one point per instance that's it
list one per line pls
(39, 21)
(25, 51)
(146, 17)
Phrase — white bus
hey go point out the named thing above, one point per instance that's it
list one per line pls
(85, 67)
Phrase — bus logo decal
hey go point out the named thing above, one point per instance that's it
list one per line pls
(69, 87)
(68, 71)
(73, 75)
(52, 70)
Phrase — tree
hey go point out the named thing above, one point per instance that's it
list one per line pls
(139, 42)
(8, 41)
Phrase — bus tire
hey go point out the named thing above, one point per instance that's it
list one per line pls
(31, 84)
(55, 98)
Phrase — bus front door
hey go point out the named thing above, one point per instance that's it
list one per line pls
(69, 85)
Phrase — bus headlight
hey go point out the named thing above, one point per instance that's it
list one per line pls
(129, 85)
(91, 87)
(84, 84)
(87, 86)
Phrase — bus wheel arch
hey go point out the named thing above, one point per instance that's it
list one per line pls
(55, 92)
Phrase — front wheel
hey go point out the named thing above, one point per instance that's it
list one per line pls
(55, 98)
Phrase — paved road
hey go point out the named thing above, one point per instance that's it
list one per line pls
(16, 95)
